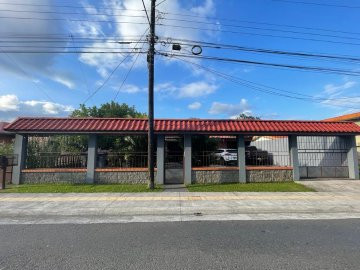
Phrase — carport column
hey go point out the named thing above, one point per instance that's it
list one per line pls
(353, 159)
(187, 159)
(91, 159)
(241, 158)
(20, 150)
(294, 158)
(160, 159)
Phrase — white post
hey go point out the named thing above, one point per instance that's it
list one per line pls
(241, 158)
(294, 158)
(20, 150)
(91, 159)
(160, 159)
(353, 159)
(187, 159)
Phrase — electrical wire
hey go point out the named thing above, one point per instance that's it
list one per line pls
(248, 84)
(317, 4)
(204, 44)
(147, 15)
(269, 64)
(27, 75)
(111, 73)
(84, 78)
(127, 75)
(258, 34)
(261, 28)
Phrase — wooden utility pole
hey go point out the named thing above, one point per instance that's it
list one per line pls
(150, 59)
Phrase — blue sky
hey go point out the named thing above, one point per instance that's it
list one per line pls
(54, 84)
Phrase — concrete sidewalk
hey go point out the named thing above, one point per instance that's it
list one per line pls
(175, 206)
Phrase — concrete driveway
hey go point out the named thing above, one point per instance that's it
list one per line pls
(330, 185)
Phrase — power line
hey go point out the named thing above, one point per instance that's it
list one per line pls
(260, 28)
(258, 50)
(147, 15)
(259, 23)
(277, 65)
(68, 6)
(249, 84)
(66, 52)
(27, 75)
(205, 29)
(316, 4)
(71, 13)
(158, 4)
(127, 75)
(281, 90)
(258, 34)
(111, 73)
(70, 20)
(84, 78)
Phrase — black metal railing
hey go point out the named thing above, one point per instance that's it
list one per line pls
(122, 160)
(213, 159)
(56, 160)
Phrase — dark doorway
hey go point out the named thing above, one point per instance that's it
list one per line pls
(174, 160)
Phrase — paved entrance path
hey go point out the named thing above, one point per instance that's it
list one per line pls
(177, 206)
(333, 185)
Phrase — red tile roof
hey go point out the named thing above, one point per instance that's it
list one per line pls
(346, 117)
(126, 125)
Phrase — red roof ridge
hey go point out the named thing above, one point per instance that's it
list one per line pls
(173, 119)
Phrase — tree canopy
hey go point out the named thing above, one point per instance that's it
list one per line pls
(243, 116)
(110, 109)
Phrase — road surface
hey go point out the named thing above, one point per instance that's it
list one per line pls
(296, 244)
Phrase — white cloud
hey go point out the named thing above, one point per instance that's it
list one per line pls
(11, 107)
(337, 96)
(31, 66)
(131, 89)
(9, 103)
(46, 107)
(194, 106)
(135, 26)
(64, 81)
(230, 110)
(190, 90)
(196, 89)
(333, 89)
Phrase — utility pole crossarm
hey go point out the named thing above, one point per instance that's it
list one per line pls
(150, 59)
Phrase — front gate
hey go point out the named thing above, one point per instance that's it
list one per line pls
(174, 160)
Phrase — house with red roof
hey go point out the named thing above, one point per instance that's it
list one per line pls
(310, 149)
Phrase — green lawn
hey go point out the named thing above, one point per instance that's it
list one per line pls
(77, 188)
(250, 187)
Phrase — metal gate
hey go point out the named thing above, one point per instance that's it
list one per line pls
(174, 160)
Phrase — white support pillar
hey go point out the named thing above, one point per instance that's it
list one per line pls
(353, 159)
(187, 159)
(91, 159)
(294, 158)
(20, 150)
(160, 159)
(241, 158)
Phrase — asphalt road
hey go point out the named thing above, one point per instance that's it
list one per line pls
(298, 244)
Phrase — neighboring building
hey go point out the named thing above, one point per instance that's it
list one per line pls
(5, 136)
(352, 117)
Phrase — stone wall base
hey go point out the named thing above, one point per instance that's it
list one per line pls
(213, 177)
(134, 177)
(125, 177)
(53, 177)
(259, 176)
(232, 176)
